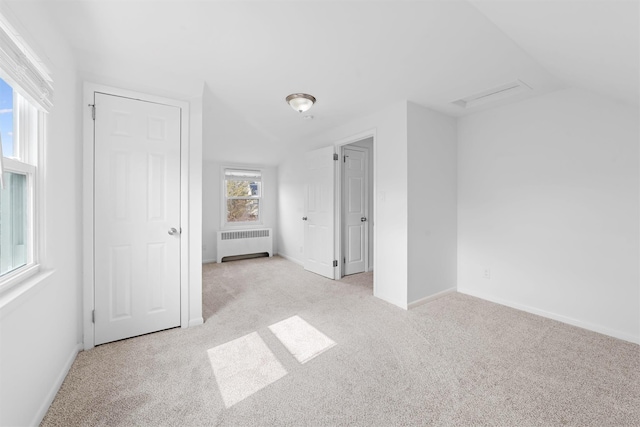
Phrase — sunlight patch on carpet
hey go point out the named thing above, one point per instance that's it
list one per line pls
(244, 366)
(302, 340)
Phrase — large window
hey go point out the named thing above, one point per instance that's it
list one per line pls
(26, 94)
(19, 135)
(242, 196)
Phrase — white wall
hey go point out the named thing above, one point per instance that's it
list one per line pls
(390, 278)
(432, 183)
(211, 190)
(548, 201)
(195, 211)
(368, 144)
(41, 329)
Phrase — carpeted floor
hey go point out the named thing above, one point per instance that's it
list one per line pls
(457, 361)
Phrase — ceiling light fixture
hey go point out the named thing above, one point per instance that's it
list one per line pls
(300, 102)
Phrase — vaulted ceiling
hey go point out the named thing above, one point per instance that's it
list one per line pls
(356, 57)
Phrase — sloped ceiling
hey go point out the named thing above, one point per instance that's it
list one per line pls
(594, 45)
(356, 57)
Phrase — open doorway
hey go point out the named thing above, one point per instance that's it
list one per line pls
(339, 224)
(356, 207)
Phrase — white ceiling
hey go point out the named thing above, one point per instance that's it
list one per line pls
(356, 57)
(590, 44)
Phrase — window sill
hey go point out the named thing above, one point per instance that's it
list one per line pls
(21, 284)
(17, 276)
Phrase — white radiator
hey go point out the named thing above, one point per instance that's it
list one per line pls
(244, 242)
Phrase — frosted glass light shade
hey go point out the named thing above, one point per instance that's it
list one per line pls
(300, 102)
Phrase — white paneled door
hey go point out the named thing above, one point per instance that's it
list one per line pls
(319, 213)
(354, 207)
(137, 217)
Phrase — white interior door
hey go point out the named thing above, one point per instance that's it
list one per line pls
(319, 213)
(354, 208)
(137, 209)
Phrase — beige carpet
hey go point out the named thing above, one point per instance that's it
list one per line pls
(457, 361)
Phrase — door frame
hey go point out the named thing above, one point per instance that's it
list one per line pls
(371, 133)
(366, 205)
(88, 303)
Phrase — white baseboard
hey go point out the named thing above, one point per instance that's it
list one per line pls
(430, 298)
(290, 258)
(554, 316)
(208, 261)
(400, 305)
(39, 415)
(196, 322)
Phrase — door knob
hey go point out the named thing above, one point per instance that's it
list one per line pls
(172, 231)
(363, 219)
(304, 218)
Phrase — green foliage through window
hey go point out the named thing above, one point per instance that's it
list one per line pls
(243, 193)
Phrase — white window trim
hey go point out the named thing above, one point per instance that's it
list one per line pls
(23, 69)
(18, 276)
(35, 197)
(224, 225)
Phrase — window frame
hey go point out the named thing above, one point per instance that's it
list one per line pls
(227, 225)
(29, 123)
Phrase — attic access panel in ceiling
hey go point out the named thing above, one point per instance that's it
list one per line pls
(494, 94)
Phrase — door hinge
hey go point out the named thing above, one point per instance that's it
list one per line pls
(93, 316)
(335, 156)
(93, 111)
(344, 260)
(344, 159)
(335, 262)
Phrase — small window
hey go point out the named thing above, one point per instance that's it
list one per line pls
(243, 196)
